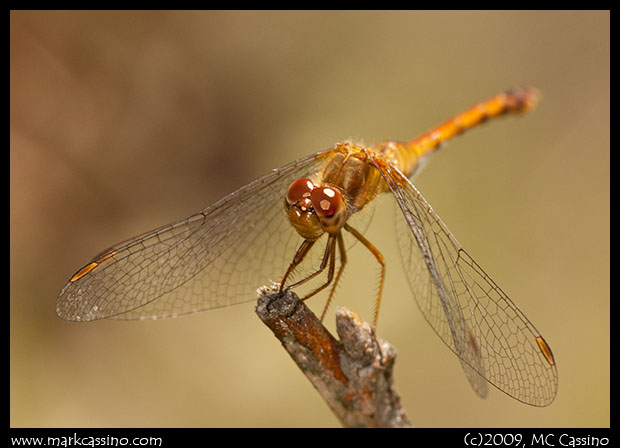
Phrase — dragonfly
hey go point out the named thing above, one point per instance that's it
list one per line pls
(266, 229)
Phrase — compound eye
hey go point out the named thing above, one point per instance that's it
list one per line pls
(330, 207)
(298, 190)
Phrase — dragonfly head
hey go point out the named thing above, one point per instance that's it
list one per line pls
(313, 210)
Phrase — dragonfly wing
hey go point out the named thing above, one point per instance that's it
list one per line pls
(215, 258)
(471, 314)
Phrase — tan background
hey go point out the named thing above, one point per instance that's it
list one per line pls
(124, 121)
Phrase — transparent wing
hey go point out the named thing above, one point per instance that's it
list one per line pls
(471, 314)
(215, 258)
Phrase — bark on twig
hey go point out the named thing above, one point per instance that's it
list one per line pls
(353, 375)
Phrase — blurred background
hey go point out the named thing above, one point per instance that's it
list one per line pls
(125, 121)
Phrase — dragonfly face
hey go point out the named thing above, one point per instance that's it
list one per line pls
(313, 210)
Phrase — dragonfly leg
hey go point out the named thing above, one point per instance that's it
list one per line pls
(330, 255)
(343, 262)
(299, 257)
(379, 256)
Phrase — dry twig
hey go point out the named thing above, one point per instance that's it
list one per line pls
(353, 375)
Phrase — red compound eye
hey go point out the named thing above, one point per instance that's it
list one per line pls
(299, 189)
(330, 207)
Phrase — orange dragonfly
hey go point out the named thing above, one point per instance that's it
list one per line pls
(219, 256)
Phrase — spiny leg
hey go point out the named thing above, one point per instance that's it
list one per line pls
(298, 258)
(303, 251)
(330, 253)
(379, 256)
(343, 261)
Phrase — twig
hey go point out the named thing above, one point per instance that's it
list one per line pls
(353, 375)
